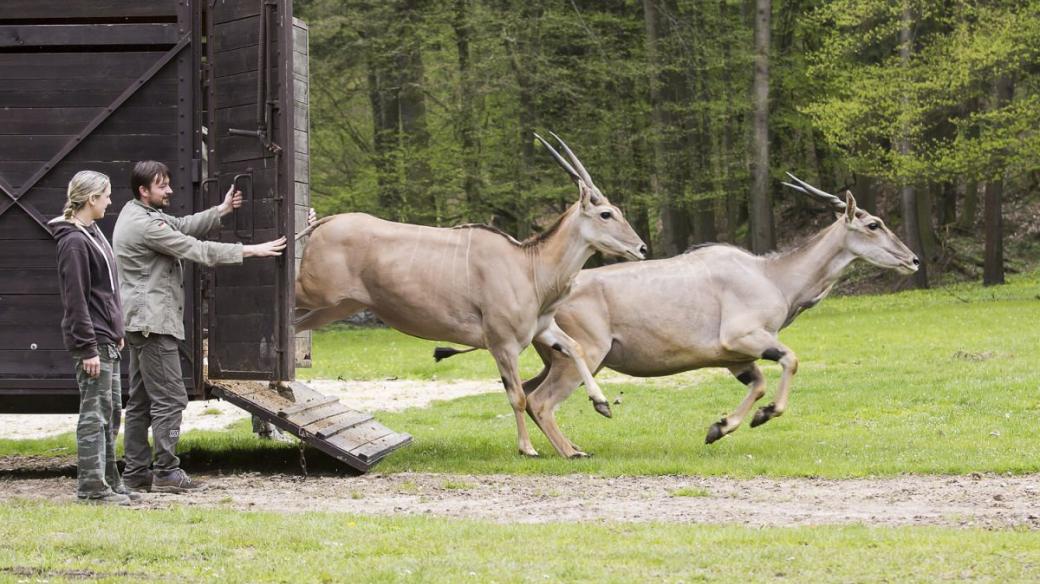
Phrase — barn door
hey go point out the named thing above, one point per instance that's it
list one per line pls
(83, 85)
(250, 143)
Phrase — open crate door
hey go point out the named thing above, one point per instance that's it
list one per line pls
(251, 143)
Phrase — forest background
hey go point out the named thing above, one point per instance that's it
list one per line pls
(687, 114)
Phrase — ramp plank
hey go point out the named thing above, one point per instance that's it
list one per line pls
(321, 421)
(343, 422)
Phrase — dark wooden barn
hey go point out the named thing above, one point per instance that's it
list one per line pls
(217, 91)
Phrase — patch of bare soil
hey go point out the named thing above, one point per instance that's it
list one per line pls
(987, 501)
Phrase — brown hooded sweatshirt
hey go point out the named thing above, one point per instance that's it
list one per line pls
(89, 286)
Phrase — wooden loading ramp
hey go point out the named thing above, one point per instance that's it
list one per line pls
(321, 421)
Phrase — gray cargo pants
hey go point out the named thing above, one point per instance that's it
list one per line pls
(100, 401)
(157, 400)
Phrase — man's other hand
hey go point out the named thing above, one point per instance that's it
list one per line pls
(232, 200)
(264, 250)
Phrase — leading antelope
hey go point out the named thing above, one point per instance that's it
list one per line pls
(714, 306)
(471, 284)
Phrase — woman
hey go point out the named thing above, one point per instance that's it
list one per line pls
(92, 327)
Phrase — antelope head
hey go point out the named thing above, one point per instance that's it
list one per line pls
(866, 236)
(602, 224)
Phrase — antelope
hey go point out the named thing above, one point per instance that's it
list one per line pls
(714, 306)
(471, 284)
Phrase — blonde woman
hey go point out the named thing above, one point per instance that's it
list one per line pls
(92, 327)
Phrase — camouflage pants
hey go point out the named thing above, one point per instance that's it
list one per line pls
(100, 401)
(157, 401)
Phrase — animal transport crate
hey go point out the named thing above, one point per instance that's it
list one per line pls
(216, 89)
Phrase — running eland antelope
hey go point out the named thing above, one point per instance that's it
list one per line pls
(472, 284)
(714, 306)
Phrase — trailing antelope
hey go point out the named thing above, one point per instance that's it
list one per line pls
(472, 284)
(714, 306)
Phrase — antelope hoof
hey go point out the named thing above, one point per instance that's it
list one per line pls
(580, 454)
(603, 408)
(530, 453)
(763, 415)
(716, 431)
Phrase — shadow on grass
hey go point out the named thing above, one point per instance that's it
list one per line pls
(280, 458)
(271, 459)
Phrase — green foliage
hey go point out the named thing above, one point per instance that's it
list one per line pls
(938, 97)
(424, 110)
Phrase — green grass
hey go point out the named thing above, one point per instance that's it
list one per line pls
(690, 492)
(77, 543)
(941, 381)
(367, 353)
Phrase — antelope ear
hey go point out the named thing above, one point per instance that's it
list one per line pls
(850, 207)
(589, 196)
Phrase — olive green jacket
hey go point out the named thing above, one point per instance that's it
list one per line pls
(149, 246)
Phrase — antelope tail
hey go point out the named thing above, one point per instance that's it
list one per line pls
(445, 352)
(312, 227)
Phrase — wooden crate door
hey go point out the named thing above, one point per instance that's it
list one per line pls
(251, 143)
(83, 86)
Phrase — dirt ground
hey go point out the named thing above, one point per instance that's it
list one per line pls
(987, 501)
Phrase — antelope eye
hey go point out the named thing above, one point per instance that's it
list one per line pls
(606, 215)
(874, 226)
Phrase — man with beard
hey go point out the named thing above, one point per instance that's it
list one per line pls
(149, 247)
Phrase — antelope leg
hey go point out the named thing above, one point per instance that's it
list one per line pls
(561, 342)
(508, 361)
(758, 344)
(751, 376)
(789, 362)
(560, 381)
(319, 317)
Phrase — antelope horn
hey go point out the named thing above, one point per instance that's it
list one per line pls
(577, 163)
(560, 160)
(808, 189)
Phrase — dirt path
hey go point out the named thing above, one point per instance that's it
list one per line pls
(974, 501)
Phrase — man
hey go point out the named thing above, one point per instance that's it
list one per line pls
(149, 247)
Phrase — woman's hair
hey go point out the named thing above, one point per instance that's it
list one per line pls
(85, 186)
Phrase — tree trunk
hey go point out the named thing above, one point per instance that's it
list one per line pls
(969, 207)
(866, 193)
(514, 216)
(382, 97)
(466, 123)
(908, 195)
(993, 266)
(700, 175)
(947, 207)
(665, 184)
(925, 211)
(415, 135)
(763, 238)
(733, 192)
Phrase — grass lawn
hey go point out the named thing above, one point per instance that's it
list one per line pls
(940, 381)
(81, 543)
